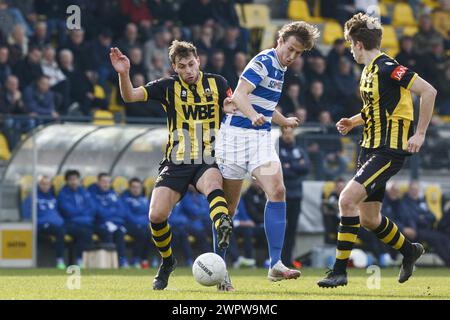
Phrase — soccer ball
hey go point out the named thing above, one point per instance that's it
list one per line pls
(209, 269)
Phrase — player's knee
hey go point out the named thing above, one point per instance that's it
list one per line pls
(347, 205)
(278, 193)
(370, 222)
(156, 216)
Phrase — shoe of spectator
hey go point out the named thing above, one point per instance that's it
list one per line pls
(145, 264)
(385, 260)
(243, 262)
(280, 272)
(61, 266)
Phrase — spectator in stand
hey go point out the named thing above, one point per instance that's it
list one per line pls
(443, 87)
(55, 13)
(10, 17)
(29, 69)
(111, 215)
(80, 50)
(162, 12)
(295, 163)
(233, 74)
(345, 84)
(204, 59)
(426, 36)
(232, 43)
(137, 222)
(407, 57)
(129, 39)
(99, 51)
(196, 13)
(295, 74)
(217, 63)
(316, 101)
(39, 100)
(422, 222)
(292, 100)
(49, 221)
(444, 223)
(57, 79)
(318, 72)
(243, 228)
(5, 68)
(206, 41)
(137, 65)
(78, 209)
(441, 20)
(434, 62)
(157, 70)
(39, 38)
(18, 44)
(159, 45)
(225, 14)
(11, 104)
(337, 52)
(138, 12)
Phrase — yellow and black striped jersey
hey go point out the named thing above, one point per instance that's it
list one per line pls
(388, 111)
(194, 113)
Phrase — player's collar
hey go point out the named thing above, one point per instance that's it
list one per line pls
(369, 66)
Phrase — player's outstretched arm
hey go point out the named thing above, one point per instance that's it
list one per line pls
(346, 124)
(121, 64)
(242, 102)
(282, 121)
(427, 95)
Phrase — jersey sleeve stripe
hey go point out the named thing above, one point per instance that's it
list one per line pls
(145, 93)
(414, 77)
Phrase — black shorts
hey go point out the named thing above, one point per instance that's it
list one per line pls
(375, 167)
(178, 177)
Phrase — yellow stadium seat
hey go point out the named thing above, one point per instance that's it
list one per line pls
(331, 32)
(149, 183)
(245, 185)
(256, 15)
(299, 10)
(25, 182)
(389, 38)
(114, 106)
(240, 13)
(392, 52)
(430, 3)
(58, 182)
(383, 10)
(328, 188)
(410, 31)
(120, 184)
(103, 118)
(433, 197)
(269, 37)
(403, 15)
(403, 188)
(88, 180)
(5, 153)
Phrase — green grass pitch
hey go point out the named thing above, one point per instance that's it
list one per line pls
(250, 284)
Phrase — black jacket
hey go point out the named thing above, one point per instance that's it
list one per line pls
(296, 164)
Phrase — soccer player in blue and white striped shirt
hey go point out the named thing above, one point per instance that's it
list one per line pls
(244, 144)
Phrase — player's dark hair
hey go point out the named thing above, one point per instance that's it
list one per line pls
(305, 33)
(181, 49)
(69, 173)
(364, 28)
(101, 175)
(133, 180)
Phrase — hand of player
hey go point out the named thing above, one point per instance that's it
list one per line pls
(415, 142)
(344, 126)
(120, 62)
(292, 122)
(258, 120)
(229, 106)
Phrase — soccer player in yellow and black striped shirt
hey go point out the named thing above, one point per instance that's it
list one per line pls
(193, 101)
(388, 138)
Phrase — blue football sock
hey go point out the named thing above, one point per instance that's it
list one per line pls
(217, 250)
(275, 226)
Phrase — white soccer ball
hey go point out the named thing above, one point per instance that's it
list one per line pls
(209, 269)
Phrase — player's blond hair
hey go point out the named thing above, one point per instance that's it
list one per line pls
(305, 33)
(364, 28)
(181, 49)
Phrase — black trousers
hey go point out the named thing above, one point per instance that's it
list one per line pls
(293, 208)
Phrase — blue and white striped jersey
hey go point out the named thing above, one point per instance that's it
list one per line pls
(266, 74)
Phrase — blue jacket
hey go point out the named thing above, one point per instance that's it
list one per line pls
(195, 207)
(109, 206)
(392, 209)
(177, 218)
(137, 209)
(296, 164)
(77, 206)
(421, 216)
(42, 104)
(241, 212)
(47, 209)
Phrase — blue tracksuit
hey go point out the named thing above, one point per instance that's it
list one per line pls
(137, 209)
(109, 206)
(77, 207)
(47, 210)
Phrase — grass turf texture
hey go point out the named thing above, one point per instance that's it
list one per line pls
(250, 284)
